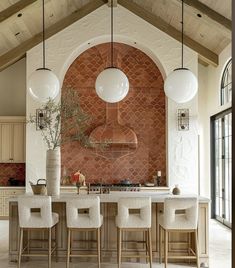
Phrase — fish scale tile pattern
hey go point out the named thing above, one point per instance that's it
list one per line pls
(143, 110)
(11, 170)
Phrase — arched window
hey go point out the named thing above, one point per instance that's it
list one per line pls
(226, 84)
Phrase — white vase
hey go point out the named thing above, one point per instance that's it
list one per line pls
(53, 172)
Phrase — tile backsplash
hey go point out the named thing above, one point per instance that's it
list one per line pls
(143, 111)
(12, 170)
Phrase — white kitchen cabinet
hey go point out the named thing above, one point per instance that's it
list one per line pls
(5, 194)
(6, 143)
(12, 140)
(18, 150)
(2, 207)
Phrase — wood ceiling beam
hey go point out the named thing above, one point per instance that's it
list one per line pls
(18, 52)
(204, 53)
(114, 3)
(200, 61)
(212, 14)
(13, 9)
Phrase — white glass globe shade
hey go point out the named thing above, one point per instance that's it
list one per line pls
(112, 85)
(181, 85)
(43, 84)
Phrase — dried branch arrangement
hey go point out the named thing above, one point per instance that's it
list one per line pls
(75, 121)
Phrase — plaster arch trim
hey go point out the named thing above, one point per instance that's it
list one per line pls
(105, 39)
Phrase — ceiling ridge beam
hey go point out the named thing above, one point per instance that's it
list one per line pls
(13, 9)
(212, 14)
(205, 54)
(18, 52)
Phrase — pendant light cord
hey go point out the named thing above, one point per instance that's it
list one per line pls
(112, 33)
(182, 35)
(43, 34)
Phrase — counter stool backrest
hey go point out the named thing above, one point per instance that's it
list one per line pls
(88, 219)
(28, 218)
(142, 218)
(181, 213)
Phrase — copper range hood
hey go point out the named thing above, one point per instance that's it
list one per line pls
(113, 140)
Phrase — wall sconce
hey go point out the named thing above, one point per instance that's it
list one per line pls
(183, 119)
(41, 115)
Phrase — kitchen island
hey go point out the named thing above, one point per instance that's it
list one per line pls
(178, 243)
(7, 192)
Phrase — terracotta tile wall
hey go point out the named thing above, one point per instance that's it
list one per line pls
(16, 171)
(143, 110)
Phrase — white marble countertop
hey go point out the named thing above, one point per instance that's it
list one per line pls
(115, 196)
(142, 187)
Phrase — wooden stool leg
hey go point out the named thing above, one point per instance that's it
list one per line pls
(196, 248)
(119, 247)
(189, 246)
(49, 247)
(28, 241)
(20, 244)
(68, 247)
(146, 245)
(166, 247)
(98, 246)
(71, 244)
(56, 241)
(150, 247)
(160, 244)
(117, 244)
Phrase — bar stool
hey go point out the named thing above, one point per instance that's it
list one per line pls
(141, 221)
(43, 219)
(180, 215)
(83, 214)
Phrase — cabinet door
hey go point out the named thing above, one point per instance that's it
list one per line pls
(4, 200)
(18, 148)
(2, 206)
(6, 206)
(6, 142)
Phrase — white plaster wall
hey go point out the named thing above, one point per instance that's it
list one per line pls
(64, 47)
(209, 104)
(204, 130)
(13, 89)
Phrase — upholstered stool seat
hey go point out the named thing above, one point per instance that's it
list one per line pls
(35, 213)
(180, 215)
(83, 214)
(136, 221)
(37, 221)
(132, 221)
(84, 221)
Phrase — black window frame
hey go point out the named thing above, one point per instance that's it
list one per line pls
(212, 154)
(223, 85)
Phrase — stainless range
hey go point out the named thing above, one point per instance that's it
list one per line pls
(107, 188)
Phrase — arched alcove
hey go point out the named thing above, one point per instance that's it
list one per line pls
(123, 39)
(143, 110)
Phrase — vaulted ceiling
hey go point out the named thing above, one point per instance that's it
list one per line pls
(207, 23)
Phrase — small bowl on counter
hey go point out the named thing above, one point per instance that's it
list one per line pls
(39, 188)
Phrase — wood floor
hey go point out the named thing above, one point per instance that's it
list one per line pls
(220, 252)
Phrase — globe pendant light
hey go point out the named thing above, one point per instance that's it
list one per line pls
(43, 83)
(181, 85)
(112, 84)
